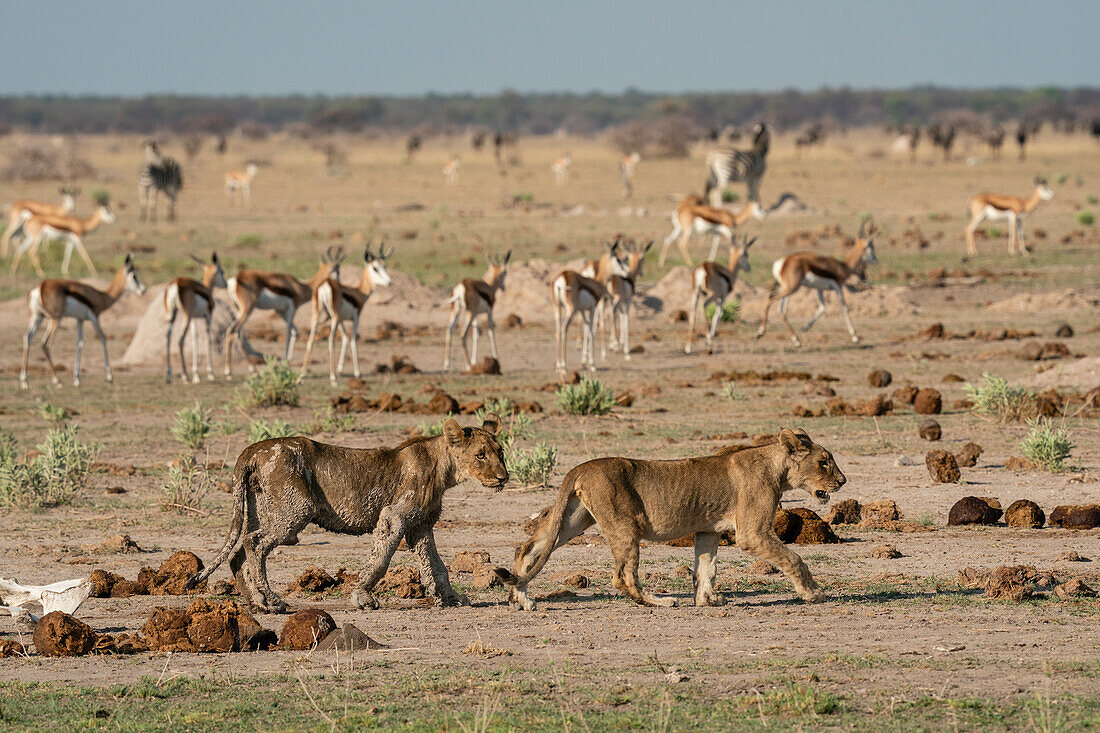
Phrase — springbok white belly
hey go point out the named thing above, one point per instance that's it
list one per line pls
(994, 214)
(702, 226)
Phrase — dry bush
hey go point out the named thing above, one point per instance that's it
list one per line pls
(40, 162)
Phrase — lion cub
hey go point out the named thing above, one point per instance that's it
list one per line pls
(282, 485)
(633, 500)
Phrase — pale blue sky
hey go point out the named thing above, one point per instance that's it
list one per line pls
(403, 48)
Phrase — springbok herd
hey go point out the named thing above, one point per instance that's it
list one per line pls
(600, 293)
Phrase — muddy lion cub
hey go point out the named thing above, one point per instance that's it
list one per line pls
(282, 485)
(634, 500)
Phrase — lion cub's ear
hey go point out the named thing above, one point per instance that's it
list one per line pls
(491, 424)
(453, 431)
(792, 441)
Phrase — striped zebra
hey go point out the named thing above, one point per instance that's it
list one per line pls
(158, 174)
(730, 165)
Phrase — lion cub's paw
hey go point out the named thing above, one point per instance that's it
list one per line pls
(364, 600)
(713, 599)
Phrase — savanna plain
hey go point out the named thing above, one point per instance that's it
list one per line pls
(900, 643)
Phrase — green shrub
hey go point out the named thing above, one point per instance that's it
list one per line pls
(55, 476)
(192, 426)
(275, 384)
(53, 414)
(1062, 179)
(186, 486)
(1046, 446)
(995, 398)
(1092, 199)
(432, 429)
(1085, 217)
(730, 310)
(730, 197)
(994, 232)
(263, 430)
(531, 467)
(248, 240)
(326, 420)
(589, 397)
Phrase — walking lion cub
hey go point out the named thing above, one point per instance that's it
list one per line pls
(633, 500)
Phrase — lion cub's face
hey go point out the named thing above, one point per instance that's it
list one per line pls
(812, 467)
(477, 453)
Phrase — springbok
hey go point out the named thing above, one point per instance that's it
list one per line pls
(252, 290)
(41, 228)
(24, 209)
(352, 300)
(240, 181)
(1001, 207)
(626, 173)
(620, 290)
(472, 299)
(694, 214)
(450, 169)
(560, 168)
(56, 300)
(714, 283)
(820, 273)
(195, 300)
(572, 293)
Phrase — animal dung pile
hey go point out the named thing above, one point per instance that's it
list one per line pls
(880, 378)
(313, 580)
(11, 648)
(58, 634)
(968, 456)
(1024, 513)
(403, 581)
(885, 515)
(927, 401)
(1074, 588)
(1035, 351)
(847, 511)
(1011, 582)
(205, 626)
(170, 579)
(905, 395)
(1084, 516)
(942, 466)
(930, 430)
(477, 563)
(803, 527)
(837, 406)
(884, 552)
(487, 365)
(306, 628)
(974, 510)
(397, 365)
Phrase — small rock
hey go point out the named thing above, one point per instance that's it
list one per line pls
(927, 402)
(762, 567)
(880, 378)
(930, 430)
(513, 321)
(948, 378)
(349, 639)
(942, 466)
(1025, 513)
(1072, 556)
(884, 552)
(119, 543)
(678, 316)
(1085, 516)
(934, 331)
(972, 510)
(306, 628)
(969, 455)
(904, 461)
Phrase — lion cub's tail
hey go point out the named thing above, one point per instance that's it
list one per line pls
(243, 475)
(543, 541)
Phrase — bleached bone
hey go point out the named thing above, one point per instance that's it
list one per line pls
(65, 595)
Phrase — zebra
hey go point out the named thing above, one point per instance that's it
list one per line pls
(159, 173)
(729, 165)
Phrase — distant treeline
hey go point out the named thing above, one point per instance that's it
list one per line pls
(539, 113)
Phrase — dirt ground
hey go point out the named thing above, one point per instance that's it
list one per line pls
(892, 632)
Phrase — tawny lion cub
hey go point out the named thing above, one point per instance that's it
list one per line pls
(632, 500)
(282, 485)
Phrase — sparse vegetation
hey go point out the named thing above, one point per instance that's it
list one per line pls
(1046, 446)
(185, 487)
(994, 232)
(533, 466)
(266, 430)
(275, 384)
(995, 398)
(53, 414)
(249, 241)
(729, 196)
(731, 392)
(431, 429)
(1085, 217)
(588, 397)
(192, 426)
(326, 420)
(52, 477)
(731, 309)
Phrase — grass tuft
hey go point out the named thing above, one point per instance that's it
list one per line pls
(54, 476)
(263, 430)
(1046, 446)
(185, 487)
(589, 397)
(192, 426)
(731, 309)
(995, 398)
(275, 384)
